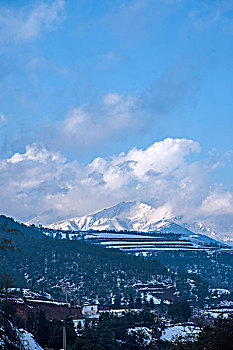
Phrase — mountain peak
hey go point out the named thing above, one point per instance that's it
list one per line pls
(134, 216)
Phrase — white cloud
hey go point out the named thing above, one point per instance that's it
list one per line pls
(149, 172)
(29, 22)
(35, 154)
(112, 99)
(75, 118)
(163, 174)
(118, 116)
(218, 202)
(94, 122)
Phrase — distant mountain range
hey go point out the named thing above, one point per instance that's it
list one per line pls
(135, 216)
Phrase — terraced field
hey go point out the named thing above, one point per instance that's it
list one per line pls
(147, 243)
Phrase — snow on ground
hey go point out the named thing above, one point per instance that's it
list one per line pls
(226, 303)
(156, 301)
(49, 302)
(118, 235)
(187, 333)
(120, 312)
(1, 340)
(28, 341)
(220, 291)
(145, 332)
(27, 293)
(224, 312)
(151, 242)
(155, 249)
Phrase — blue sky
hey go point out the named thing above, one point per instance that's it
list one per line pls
(87, 79)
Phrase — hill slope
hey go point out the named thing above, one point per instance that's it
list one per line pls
(86, 271)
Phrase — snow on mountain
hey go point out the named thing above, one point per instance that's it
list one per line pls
(27, 340)
(136, 216)
(203, 229)
(133, 216)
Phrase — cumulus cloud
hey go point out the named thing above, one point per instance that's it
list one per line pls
(28, 181)
(218, 202)
(36, 154)
(149, 168)
(164, 174)
(29, 22)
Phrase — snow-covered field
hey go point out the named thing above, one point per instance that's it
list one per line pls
(224, 312)
(186, 332)
(140, 332)
(139, 243)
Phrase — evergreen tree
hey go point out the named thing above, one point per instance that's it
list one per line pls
(138, 303)
(180, 311)
(131, 301)
(41, 331)
(152, 305)
(117, 302)
(55, 339)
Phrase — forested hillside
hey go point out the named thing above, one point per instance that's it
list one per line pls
(80, 269)
(85, 271)
(216, 268)
(27, 231)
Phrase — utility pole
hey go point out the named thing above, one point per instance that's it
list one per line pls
(64, 338)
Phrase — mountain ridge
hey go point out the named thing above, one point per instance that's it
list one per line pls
(132, 216)
(136, 216)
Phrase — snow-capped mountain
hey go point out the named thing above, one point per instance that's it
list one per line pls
(131, 216)
(204, 229)
(135, 216)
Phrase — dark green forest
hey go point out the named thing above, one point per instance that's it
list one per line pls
(80, 269)
(85, 271)
(216, 268)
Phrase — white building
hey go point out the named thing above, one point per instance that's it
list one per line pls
(90, 310)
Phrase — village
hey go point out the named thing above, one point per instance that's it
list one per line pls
(88, 314)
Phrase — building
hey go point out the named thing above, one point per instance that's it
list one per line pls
(53, 310)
